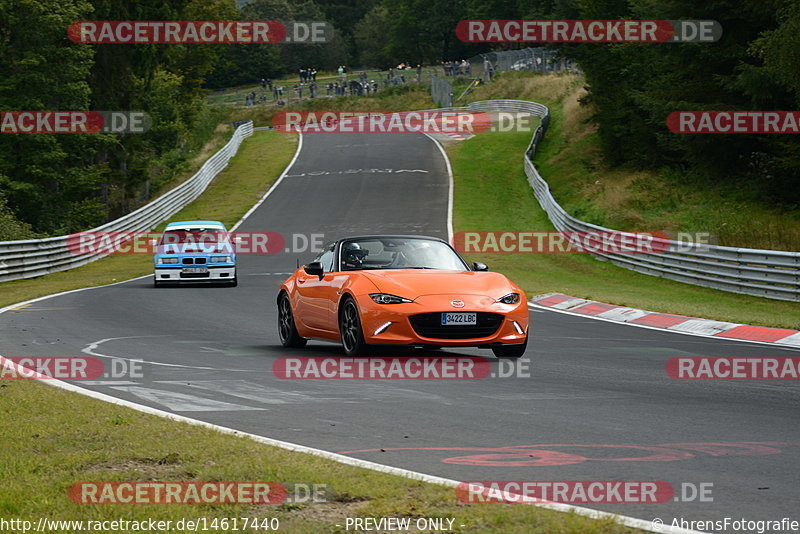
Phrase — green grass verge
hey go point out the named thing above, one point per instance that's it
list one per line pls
(639, 200)
(80, 439)
(258, 163)
(45, 451)
(52, 439)
(492, 193)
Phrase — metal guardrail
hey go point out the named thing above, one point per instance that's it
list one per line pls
(765, 273)
(36, 257)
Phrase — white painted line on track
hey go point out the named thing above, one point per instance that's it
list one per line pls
(355, 462)
(451, 185)
(274, 185)
(346, 460)
(182, 402)
(91, 348)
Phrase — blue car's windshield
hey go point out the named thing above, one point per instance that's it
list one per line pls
(194, 235)
(195, 240)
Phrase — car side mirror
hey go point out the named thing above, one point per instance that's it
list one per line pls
(314, 269)
(478, 266)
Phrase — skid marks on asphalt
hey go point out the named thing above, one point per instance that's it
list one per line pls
(218, 395)
(569, 454)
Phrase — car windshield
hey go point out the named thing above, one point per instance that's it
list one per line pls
(399, 253)
(199, 236)
(194, 241)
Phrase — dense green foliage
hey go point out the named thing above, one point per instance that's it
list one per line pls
(633, 87)
(753, 67)
(52, 184)
(62, 183)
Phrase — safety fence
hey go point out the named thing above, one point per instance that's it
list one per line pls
(36, 257)
(441, 92)
(528, 59)
(766, 273)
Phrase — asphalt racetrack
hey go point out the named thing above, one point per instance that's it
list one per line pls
(596, 403)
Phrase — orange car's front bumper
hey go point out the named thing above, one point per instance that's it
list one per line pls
(374, 318)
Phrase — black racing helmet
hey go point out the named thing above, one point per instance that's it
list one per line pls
(353, 255)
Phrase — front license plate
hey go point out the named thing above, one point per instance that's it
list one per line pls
(198, 270)
(450, 318)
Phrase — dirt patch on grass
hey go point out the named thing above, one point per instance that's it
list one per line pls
(145, 468)
(328, 512)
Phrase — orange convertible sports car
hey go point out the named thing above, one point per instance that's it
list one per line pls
(401, 290)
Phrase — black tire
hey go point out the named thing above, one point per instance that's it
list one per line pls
(156, 283)
(511, 351)
(287, 331)
(350, 329)
(234, 282)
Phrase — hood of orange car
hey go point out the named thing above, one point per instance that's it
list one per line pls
(414, 283)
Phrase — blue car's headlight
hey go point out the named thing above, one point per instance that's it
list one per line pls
(511, 298)
(168, 260)
(385, 298)
(220, 259)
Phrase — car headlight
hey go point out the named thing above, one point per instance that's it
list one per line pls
(385, 298)
(220, 259)
(511, 298)
(168, 260)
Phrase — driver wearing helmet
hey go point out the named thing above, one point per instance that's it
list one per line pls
(353, 256)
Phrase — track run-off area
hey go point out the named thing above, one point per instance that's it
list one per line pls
(594, 402)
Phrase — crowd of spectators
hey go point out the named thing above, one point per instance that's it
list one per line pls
(457, 68)
(347, 83)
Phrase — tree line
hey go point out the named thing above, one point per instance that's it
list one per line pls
(754, 66)
(51, 184)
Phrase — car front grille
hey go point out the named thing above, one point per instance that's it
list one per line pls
(195, 275)
(194, 261)
(430, 325)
